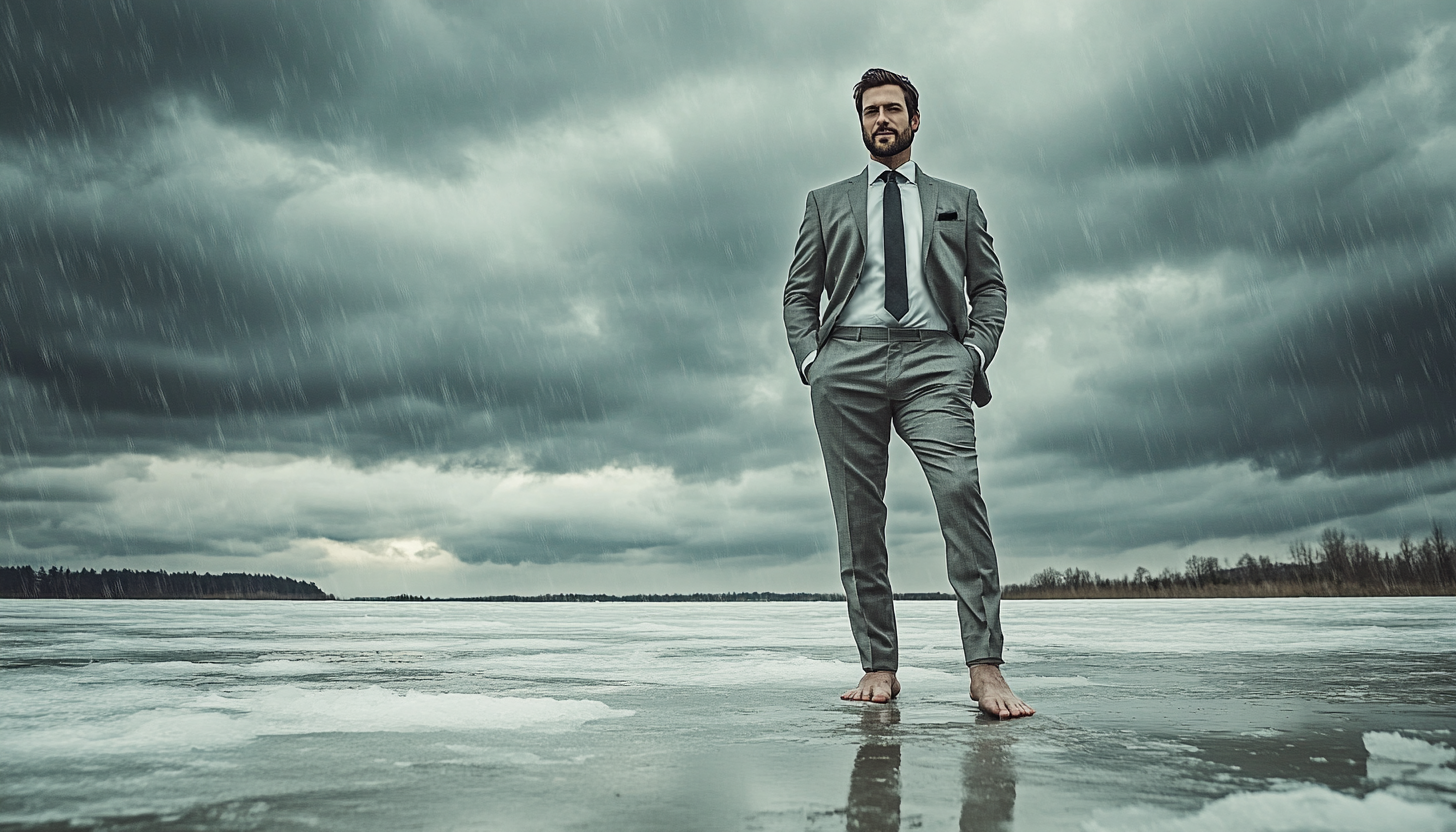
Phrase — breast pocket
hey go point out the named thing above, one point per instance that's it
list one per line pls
(950, 233)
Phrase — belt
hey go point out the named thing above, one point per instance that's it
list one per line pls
(880, 333)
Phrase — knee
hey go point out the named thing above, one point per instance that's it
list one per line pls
(875, 574)
(961, 485)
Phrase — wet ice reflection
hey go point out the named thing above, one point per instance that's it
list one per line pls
(874, 785)
(988, 775)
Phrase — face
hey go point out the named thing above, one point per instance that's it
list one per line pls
(886, 124)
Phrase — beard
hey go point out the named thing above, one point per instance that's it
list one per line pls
(902, 141)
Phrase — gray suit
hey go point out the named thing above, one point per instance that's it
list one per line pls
(922, 383)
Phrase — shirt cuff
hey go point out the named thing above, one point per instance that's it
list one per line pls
(808, 359)
(979, 354)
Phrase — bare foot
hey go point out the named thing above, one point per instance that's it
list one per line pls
(990, 690)
(876, 686)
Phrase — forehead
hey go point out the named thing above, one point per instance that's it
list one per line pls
(887, 94)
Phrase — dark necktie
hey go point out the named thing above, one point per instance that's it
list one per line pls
(897, 293)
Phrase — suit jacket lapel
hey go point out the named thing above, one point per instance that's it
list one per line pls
(926, 186)
(858, 191)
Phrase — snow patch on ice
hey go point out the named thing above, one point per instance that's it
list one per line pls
(1309, 809)
(217, 720)
(1410, 765)
(1156, 745)
(289, 667)
(1393, 746)
(294, 710)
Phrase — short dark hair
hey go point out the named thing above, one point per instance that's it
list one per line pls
(884, 78)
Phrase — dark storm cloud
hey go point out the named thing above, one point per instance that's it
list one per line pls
(403, 79)
(160, 325)
(1337, 357)
(1362, 383)
(1230, 79)
(166, 320)
(121, 333)
(1186, 152)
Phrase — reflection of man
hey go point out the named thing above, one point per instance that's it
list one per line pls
(988, 777)
(874, 790)
(874, 782)
(915, 309)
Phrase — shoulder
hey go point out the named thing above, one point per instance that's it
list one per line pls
(834, 187)
(950, 187)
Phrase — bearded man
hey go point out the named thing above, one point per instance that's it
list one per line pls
(914, 311)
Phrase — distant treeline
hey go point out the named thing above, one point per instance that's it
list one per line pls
(697, 596)
(60, 582)
(1338, 565)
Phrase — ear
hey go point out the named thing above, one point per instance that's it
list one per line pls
(915, 122)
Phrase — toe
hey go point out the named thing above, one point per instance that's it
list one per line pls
(1019, 708)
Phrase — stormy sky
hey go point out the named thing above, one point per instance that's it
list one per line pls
(463, 298)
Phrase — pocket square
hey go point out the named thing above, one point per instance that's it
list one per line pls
(947, 215)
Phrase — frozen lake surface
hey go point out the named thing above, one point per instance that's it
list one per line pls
(1267, 714)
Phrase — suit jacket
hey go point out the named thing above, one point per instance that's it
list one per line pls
(956, 256)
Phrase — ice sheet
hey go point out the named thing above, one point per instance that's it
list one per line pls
(1319, 714)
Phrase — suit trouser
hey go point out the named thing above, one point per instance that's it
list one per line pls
(922, 387)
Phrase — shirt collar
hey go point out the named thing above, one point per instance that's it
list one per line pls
(906, 170)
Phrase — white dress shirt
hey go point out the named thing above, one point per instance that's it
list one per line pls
(866, 306)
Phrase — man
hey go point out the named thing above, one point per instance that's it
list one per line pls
(915, 308)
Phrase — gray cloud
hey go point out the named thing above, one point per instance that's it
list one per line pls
(1230, 79)
(1353, 385)
(407, 81)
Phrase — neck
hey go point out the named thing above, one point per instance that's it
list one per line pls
(893, 162)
